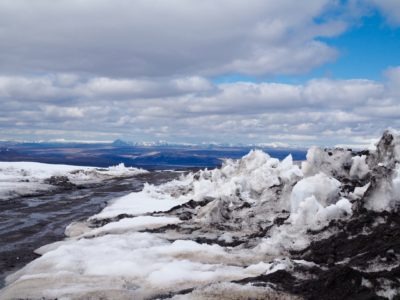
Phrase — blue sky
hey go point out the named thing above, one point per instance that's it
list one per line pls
(366, 49)
(273, 72)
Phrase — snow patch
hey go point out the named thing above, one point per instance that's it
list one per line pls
(25, 178)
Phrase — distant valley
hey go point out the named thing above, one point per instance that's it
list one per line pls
(150, 157)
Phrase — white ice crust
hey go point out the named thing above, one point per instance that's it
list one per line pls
(25, 178)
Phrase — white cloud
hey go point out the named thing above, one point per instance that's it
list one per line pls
(25, 88)
(59, 112)
(116, 87)
(191, 109)
(390, 8)
(286, 59)
(293, 137)
(140, 70)
(341, 93)
(393, 76)
(192, 84)
(144, 88)
(120, 38)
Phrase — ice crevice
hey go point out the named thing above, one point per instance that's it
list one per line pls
(254, 228)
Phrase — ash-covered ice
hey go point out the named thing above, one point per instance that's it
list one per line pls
(256, 228)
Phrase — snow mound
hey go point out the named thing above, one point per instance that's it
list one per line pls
(253, 179)
(250, 178)
(320, 186)
(312, 214)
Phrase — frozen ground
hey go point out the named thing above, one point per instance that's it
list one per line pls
(27, 223)
(256, 228)
(31, 178)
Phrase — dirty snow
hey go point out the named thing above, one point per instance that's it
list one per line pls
(194, 237)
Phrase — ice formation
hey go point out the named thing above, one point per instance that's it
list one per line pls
(255, 228)
(28, 178)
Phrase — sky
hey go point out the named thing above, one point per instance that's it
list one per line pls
(288, 72)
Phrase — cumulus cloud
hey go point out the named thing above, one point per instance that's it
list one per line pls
(192, 109)
(146, 88)
(23, 88)
(59, 112)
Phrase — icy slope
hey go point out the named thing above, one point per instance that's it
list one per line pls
(27, 178)
(256, 228)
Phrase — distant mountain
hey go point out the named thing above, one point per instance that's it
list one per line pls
(121, 143)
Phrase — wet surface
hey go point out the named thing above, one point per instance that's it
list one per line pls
(28, 223)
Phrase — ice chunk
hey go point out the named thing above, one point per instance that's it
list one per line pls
(359, 191)
(388, 148)
(249, 176)
(248, 179)
(386, 194)
(312, 214)
(333, 162)
(293, 235)
(325, 189)
(359, 168)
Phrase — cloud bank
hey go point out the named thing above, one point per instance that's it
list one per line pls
(142, 70)
(194, 109)
(162, 38)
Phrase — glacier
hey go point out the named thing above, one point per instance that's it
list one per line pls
(256, 228)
